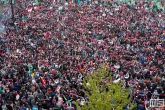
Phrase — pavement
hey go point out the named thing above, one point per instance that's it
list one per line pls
(1, 17)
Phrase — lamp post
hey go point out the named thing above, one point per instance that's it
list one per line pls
(12, 11)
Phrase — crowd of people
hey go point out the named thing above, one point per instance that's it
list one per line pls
(54, 44)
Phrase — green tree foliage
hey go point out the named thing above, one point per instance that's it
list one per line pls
(102, 93)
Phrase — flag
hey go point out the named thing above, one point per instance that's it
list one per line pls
(155, 8)
(30, 67)
(36, 8)
(30, 9)
(36, 2)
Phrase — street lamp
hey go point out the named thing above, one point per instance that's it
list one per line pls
(12, 11)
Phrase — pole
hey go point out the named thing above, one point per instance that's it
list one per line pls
(12, 11)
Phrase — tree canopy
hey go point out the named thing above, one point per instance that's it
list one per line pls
(102, 93)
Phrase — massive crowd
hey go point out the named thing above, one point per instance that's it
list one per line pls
(53, 44)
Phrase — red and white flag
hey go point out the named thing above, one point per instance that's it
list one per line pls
(30, 9)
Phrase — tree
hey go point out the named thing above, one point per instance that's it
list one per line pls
(102, 93)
